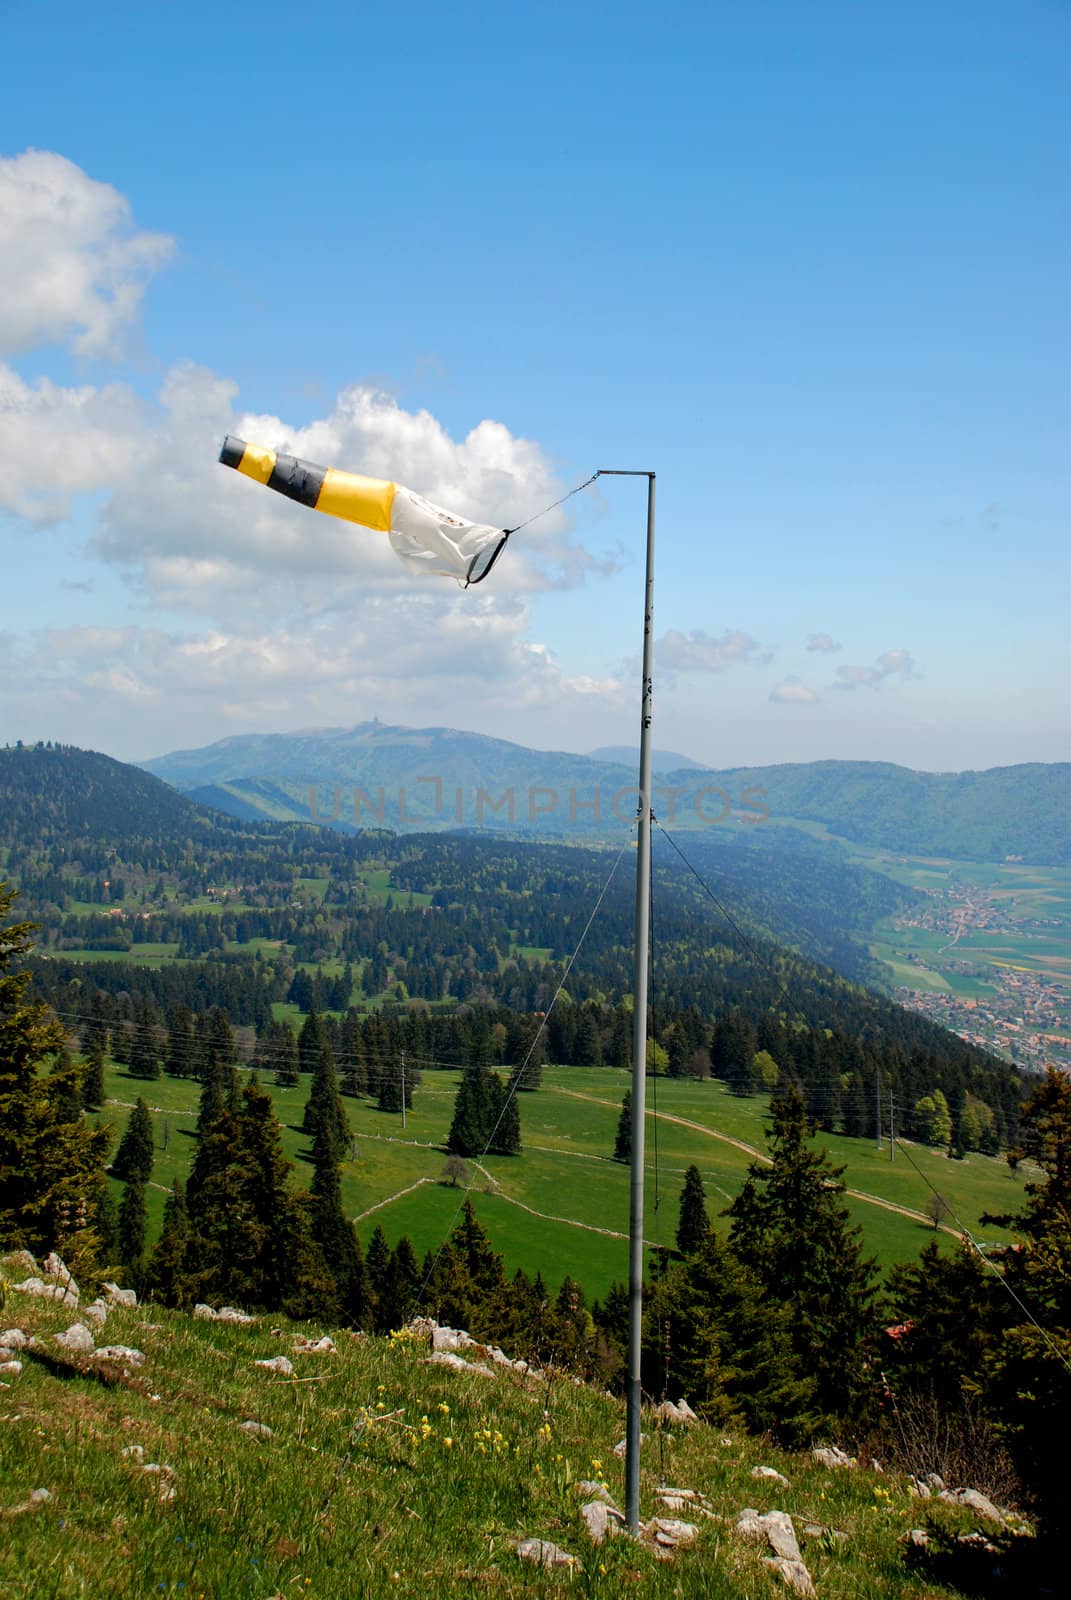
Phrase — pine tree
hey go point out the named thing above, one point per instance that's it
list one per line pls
(65, 1084)
(104, 1220)
(1025, 1374)
(694, 1224)
(324, 1104)
(623, 1141)
(524, 1047)
(132, 1218)
(134, 1157)
(377, 1267)
(712, 1335)
(503, 1136)
(168, 1266)
(50, 1170)
(219, 1070)
(791, 1227)
(333, 1231)
(401, 1287)
(93, 1094)
(855, 1108)
(182, 1051)
(144, 1049)
(733, 1051)
(472, 1113)
(249, 1236)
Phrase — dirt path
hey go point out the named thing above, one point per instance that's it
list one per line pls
(760, 1155)
(391, 1198)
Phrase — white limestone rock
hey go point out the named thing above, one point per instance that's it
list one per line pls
(96, 1313)
(447, 1358)
(680, 1413)
(120, 1297)
(77, 1338)
(775, 1527)
(256, 1430)
(974, 1501)
(792, 1573)
(10, 1367)
(13, 1339)
(281, 1364)
(594, 1490)
(601, 1520)
(120, 1352)
(831, 1456)
(772, 1475)
(670, 1532)
(545, 1554)
(315, 1347)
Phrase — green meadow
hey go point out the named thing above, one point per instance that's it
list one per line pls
(561, 1207)
(375, 1474)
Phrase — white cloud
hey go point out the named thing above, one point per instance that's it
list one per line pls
(823, 642)
(793, 692)
(293, 617)
(56, 443)
(696, 651)
(413, 658)
(890, 664)
(72, 265)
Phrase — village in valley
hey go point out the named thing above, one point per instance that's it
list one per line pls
(988, 961)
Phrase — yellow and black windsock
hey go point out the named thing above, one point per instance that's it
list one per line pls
(427, 538)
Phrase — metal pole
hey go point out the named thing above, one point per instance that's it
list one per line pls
(403, 1091)
(639, 1035)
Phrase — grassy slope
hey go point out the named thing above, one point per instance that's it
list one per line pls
(564, 1175)
(401, 1513)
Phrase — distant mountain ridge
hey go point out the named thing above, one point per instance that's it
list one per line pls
(378, 774)
(626, 755)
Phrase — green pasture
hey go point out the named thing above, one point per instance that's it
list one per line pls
(544, 1208)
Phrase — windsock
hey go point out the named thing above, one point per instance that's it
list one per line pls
(424, 535)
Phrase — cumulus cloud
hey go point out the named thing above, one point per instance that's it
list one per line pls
(56, 443)
(697, 651)
(793, 692)
(289, 614)
(890, 664)
(412, 658)
(822, 642)
(214, 538)
(73, 267)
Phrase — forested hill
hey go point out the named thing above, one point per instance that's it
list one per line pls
(107, 856)
(55, 794)
(1019, 811)
(216, 912)
(421, 778)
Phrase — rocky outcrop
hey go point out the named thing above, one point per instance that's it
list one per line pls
(776, 1530)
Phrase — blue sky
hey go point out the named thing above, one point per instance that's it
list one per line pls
(809, 263)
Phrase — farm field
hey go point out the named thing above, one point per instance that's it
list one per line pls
(561, 1207)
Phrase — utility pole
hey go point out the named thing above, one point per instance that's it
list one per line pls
(634, 1391)
(403, 1091)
